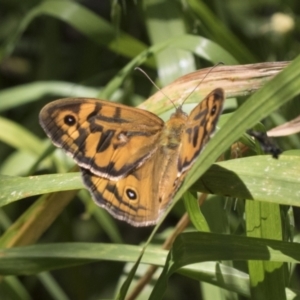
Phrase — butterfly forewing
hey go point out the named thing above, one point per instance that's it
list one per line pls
(108, 139)
(200, 126)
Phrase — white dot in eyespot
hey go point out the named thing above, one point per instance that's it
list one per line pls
(131, 194)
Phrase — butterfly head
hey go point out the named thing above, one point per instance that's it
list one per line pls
(179, 113)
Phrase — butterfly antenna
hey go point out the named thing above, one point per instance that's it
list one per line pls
(216, 65)
(157, 87)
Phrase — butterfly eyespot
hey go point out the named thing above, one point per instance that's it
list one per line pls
(69, 120)
(131, 194)
(213, 110)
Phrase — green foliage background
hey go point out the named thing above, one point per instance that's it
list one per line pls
(54, 49)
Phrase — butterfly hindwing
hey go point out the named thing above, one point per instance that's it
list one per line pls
(133, 199)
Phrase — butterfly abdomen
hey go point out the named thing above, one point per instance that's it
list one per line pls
(167, 157)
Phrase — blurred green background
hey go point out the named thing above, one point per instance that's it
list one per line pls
(55, 49)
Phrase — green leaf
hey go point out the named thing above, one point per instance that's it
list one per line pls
(18, 137)
(15, 188)
(38, 258)
(199, 45)
(260, 178)
(26, 93)
(195, 214)
(164, 20)
(85, 21)
(220, 33)
(267, 278)
(195, 247)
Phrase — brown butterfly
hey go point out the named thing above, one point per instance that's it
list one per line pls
(131, 161)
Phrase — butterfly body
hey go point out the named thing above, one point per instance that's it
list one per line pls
(131, 161)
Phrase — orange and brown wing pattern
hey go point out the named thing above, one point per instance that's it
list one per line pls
(108, 139)
(133, 199)
(200, 125)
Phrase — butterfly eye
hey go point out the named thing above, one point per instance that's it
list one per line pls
(213, 110)
(131, 194)
(69, 120)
